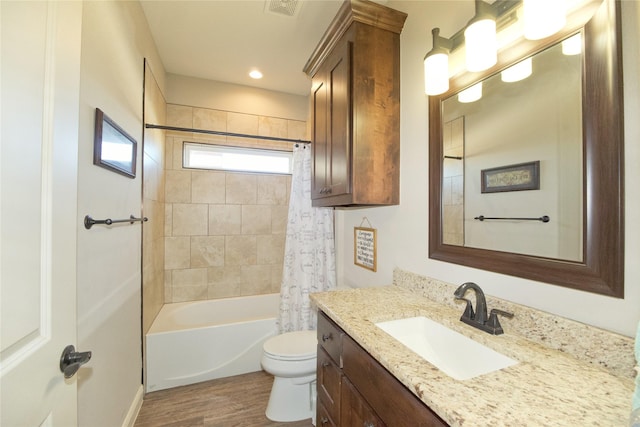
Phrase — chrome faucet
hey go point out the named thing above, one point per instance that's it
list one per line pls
(478, 318)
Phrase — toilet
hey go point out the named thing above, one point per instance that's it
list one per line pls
(291, 359)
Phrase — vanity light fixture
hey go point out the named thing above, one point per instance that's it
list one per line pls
(471, 94)
(480, 38)
(543, 18)
(436, 65)
(517, 72)
(572, 45)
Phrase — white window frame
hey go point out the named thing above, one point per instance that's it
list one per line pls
(236, 159)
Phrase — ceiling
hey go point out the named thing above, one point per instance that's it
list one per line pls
(223, 40)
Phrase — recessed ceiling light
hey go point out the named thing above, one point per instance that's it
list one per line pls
(255, 74)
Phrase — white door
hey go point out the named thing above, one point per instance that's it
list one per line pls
(40, 74)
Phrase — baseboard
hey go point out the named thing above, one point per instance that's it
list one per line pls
(134, 409)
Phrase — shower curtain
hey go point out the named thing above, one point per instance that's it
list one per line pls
(309, 255)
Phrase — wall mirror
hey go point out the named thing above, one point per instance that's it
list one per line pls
(528, 179)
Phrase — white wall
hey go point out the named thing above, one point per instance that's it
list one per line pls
(403, 230)
(115, 40)
(202, 93)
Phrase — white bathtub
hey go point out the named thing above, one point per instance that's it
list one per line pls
(197, 341)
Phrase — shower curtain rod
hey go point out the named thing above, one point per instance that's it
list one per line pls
(215, 132)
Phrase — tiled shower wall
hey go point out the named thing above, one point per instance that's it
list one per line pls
(153, 164)
(224, 231)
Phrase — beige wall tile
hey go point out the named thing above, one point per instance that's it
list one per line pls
(207, 251)
(168, 289)
(189, 284)
(297, 130)
(224, 282)
(190, 220)
(279, 219)
(240, 250)
(168, 152)
(270, 249)
(207, 187)
(256, 280)
(242, 123)
(178, 186)
(179, 115)
(225, 220)
(177, 252)
(272, 190)
(189, 293)
(204, 118)
(176, 155)
(272, 126)
(241, 188)
(206, 255)
(276, 277)
(168, 219)
(256, 219)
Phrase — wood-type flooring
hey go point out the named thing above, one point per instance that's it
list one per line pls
(238, 401)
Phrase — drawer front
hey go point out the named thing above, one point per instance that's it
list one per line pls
(329, 378)
(330, 337)
(355, 411)
(323, 419)
(393, 402)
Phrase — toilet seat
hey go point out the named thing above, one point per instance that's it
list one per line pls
(298, 345)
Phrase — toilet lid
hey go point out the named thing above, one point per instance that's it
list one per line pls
(292, 345)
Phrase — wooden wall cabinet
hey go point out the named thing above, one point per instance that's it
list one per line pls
(355, 390)
(355, 107)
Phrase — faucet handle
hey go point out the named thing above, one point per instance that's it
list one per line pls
(493, 321)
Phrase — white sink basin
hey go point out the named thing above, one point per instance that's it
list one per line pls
(454, 354)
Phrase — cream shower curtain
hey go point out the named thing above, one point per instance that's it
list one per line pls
(309, 256)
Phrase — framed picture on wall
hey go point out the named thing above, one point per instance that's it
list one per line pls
(364, 248)
(522, 176)
(113, 148)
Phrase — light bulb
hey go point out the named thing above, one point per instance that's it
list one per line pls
(471, 94)
(436, 73)
(517, 72)
(481, 45)
(572, 45)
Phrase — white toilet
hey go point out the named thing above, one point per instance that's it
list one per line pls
(291, 359)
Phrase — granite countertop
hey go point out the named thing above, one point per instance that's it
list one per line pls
(546, 388)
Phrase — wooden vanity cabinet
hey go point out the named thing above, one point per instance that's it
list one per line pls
(355, 107)
(355, 390)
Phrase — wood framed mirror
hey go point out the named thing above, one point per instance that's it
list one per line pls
(599, 265)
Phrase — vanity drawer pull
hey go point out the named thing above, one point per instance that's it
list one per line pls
(327, 337)
(324, 421)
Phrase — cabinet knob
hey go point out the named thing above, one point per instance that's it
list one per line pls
(324, 420)
(327, 337)
(368, 424)
(325, 364)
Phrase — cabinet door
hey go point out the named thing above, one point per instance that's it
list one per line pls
(355, 411)
(329, 378)
(332, 125)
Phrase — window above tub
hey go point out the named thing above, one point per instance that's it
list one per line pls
(236, 159)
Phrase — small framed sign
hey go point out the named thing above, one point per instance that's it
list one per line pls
(364, 248)
(113, 148)
(523, 176)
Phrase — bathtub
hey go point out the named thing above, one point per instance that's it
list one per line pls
(190, 342)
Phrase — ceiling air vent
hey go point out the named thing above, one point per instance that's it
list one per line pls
(282, 7)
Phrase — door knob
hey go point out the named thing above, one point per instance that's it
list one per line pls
(71, 360)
